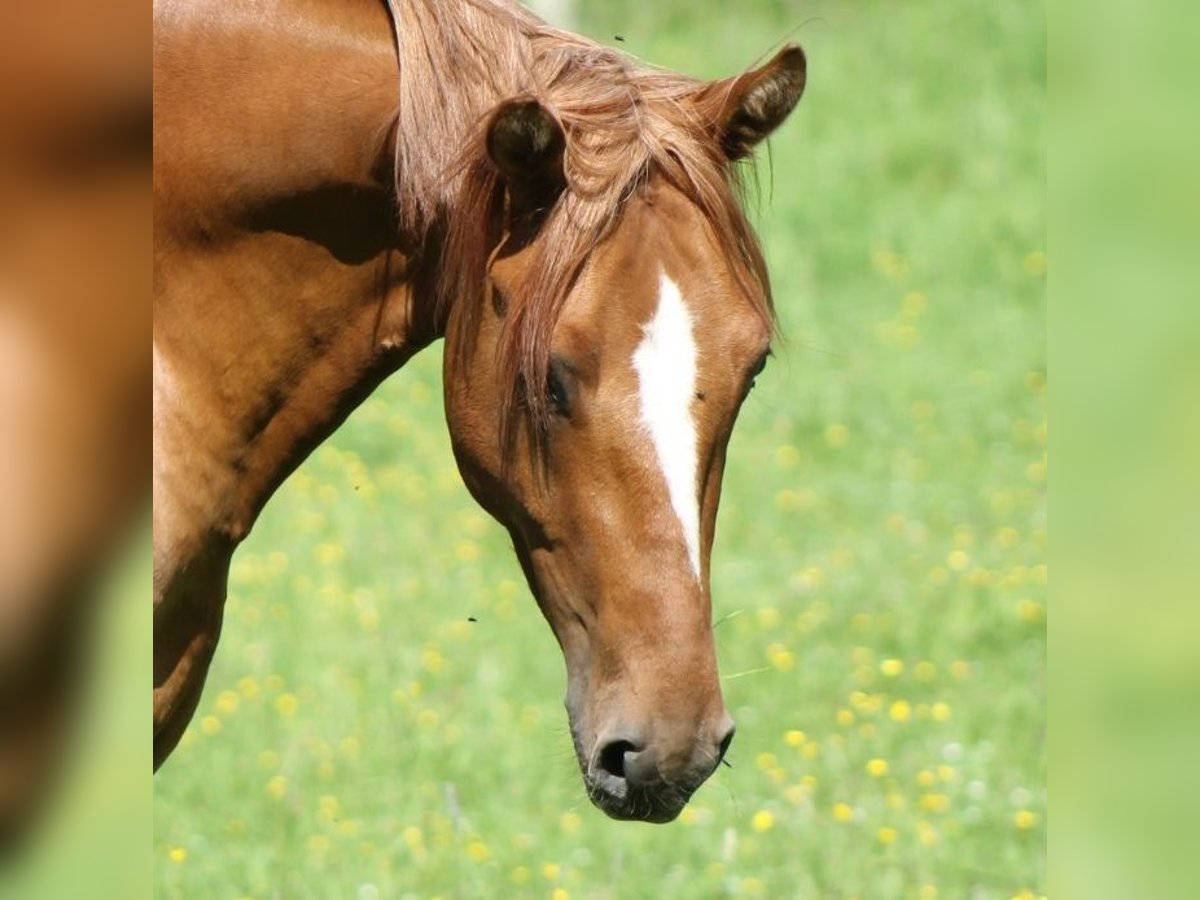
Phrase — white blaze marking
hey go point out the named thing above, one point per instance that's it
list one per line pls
(665, 362)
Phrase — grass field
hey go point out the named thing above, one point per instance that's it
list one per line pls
(879, 573)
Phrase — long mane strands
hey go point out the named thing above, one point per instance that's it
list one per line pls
(623, 120)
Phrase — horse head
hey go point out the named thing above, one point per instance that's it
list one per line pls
(592, 384)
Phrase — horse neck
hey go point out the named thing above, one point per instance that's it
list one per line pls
(283, 292)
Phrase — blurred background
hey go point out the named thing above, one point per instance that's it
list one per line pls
(384, 715)
(75, 113)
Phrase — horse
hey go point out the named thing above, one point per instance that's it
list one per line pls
(340, 183)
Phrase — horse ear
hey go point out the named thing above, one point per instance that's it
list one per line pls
(526, 144)
(748, 108)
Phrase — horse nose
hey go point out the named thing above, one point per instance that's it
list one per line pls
(614, 759)
(653, 778)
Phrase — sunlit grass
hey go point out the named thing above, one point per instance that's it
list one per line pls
(384, 717)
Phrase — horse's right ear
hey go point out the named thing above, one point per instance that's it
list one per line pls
(746, 109)
(526, 145)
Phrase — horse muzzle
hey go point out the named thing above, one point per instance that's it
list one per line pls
(635, 779)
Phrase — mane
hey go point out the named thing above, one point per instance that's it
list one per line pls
(624, 121)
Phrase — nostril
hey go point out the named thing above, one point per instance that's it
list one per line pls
(612, 757)
(723, 747)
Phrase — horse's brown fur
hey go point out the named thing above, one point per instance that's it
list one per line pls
(312, 234)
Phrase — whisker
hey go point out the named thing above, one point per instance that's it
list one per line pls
(747, 672)
(725, 618)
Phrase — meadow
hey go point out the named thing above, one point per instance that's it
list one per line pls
(384, 717)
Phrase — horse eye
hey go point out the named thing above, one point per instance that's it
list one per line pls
(556, 391)
(758, 368)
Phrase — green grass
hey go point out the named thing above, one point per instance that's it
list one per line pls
(884, 509)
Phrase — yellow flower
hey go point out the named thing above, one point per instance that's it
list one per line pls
(1024, 819)
(900, 711)
(432, 660)
(925, 778)
(845, 717)
(427, 718)
(896, 801)
(947, 773)
(794, 738)
(927, 892)
(550, 871)
(570, 822)
(877, 768)
(781, 658)
(178, 854)
(768, 617)
(688, 816)
(925, 671)
(248, 686)
(934, 803)
(227, 703)
(843, 812)
(412, 836)
(958, 560)
(520, 875)
(328, 807)
(926, 833)
(887, 835)
(477, 851)
(892, 668)
(1030, 611)
(940, 711)
(286, 704)
(210, 725)
(787, 456)
(960, 669)
(559, 894)
(1008, 537)
(1035, 263)
(330, 554)
(763, 820)
(766, 761)
(277, 786)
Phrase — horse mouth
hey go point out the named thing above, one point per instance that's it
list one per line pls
(658, 804)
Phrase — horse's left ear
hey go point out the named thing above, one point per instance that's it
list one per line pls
(746, 109)
(526, 145)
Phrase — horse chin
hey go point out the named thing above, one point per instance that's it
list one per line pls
(636, 806)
